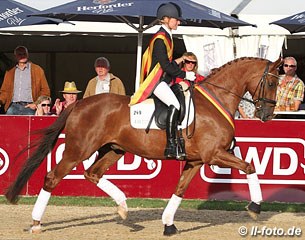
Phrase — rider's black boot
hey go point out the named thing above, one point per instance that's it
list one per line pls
(171, 150)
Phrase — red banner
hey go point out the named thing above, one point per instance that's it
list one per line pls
(275, 148)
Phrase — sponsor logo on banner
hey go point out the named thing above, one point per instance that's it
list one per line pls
(276, 160)
(127, 167)
(4, 161)
(103, 6)
(11, 16)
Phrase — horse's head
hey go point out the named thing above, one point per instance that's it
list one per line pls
(265, 91)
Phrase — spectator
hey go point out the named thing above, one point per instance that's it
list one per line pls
(290, 91)
(104, 82)
(190, 64)
(69, 94)
(43, 104)
(22, 85)
(246, 109)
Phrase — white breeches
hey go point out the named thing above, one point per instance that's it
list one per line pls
(166, 95)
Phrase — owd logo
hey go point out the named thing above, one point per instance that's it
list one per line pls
(276, 160)
(128, 167)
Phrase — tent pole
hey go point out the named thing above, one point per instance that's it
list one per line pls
(139, 59)
(139, 52)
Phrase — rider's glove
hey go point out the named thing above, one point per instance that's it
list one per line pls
(190, 76)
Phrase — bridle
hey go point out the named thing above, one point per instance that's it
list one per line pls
(260, 87)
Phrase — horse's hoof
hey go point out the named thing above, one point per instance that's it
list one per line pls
(253, 209)
(123, 212)
(170, 230)
(35, 229)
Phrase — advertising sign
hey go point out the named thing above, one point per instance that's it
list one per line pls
(276, 149)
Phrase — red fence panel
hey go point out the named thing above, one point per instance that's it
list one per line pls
(275, 148)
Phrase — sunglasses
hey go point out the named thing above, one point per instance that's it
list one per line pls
(291, 66)
(45, 105)
(188, 62)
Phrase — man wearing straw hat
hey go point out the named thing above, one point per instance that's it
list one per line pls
(69, 94)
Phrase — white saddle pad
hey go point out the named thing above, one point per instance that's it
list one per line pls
(140, 114)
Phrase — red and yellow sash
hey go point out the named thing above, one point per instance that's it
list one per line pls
(218, 106)
(148, 79)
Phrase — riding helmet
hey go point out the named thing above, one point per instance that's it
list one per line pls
(170, 10)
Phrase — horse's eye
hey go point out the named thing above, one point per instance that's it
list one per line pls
(270, 84)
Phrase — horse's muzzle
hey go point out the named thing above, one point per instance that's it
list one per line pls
(264, 112)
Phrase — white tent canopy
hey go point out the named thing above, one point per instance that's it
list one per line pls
(213, 47)
(259, 12)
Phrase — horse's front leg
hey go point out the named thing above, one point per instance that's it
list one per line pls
(225, 159)
(189, 171)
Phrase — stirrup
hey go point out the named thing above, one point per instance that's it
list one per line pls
(174, 152)
(181, 147)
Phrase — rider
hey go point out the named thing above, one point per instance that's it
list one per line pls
(158, 71)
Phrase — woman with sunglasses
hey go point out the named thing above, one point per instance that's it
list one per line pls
(158, 71)
(290, 91)
(190, 64)
(43, 104)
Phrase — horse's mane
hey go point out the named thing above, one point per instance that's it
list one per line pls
(216, 70)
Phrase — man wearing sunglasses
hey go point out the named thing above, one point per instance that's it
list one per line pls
(290, 91)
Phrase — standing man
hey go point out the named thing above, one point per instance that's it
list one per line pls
(22, 85)
(290, 91)
(104, 82)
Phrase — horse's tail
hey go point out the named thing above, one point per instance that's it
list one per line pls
(44, 146)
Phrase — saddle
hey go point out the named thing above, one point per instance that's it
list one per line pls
(161, 108)
(152, 113)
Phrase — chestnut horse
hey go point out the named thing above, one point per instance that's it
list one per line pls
(102, 122)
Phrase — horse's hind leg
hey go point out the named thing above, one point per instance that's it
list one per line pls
(189, 171)
(107, 157)
(68, 162)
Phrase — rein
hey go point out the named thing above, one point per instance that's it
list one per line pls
(259, 86)
(191, 89)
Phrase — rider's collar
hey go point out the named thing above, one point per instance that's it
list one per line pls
(167, 30)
